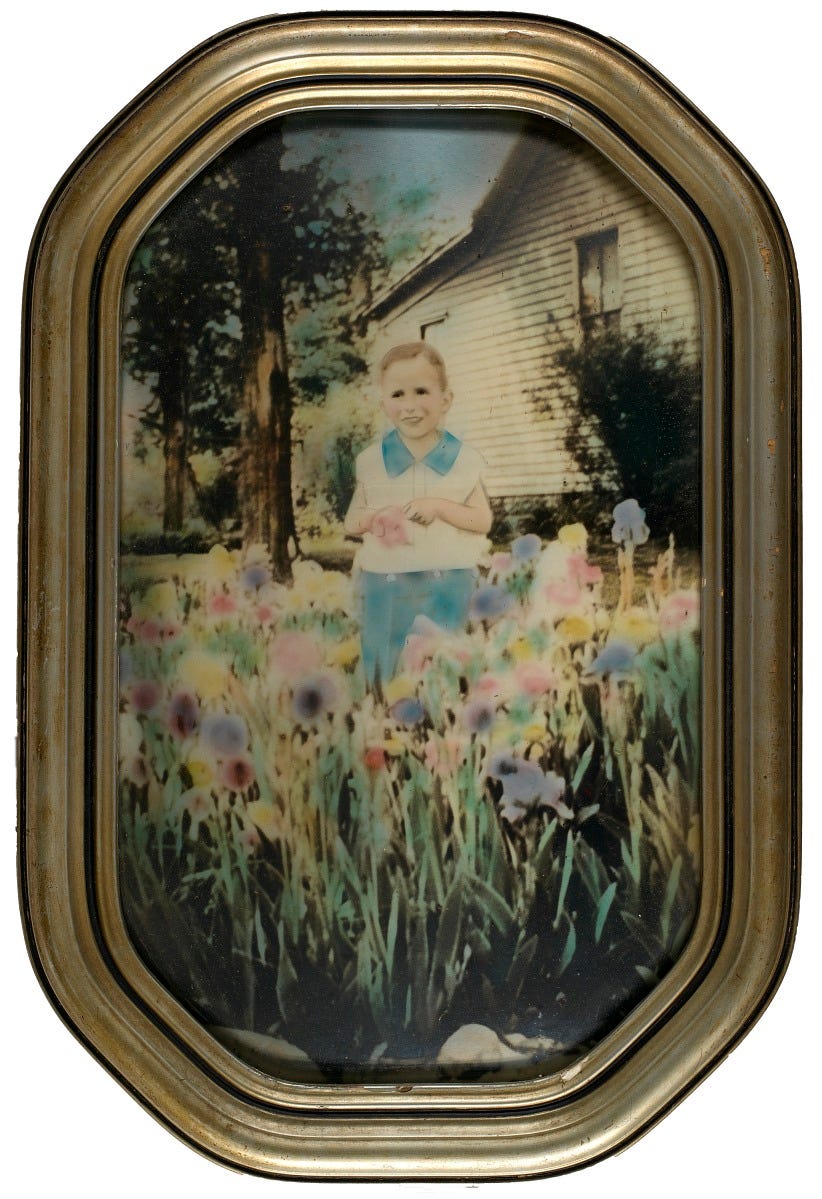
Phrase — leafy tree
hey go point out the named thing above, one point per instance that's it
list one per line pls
(242, 302)
(638, 401)
(180, 337)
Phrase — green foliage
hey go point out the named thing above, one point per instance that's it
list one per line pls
(372, 886)
(638, 400)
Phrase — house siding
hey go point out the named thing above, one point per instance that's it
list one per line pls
(512, 301)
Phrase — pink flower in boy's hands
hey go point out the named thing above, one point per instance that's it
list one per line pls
(390, 528)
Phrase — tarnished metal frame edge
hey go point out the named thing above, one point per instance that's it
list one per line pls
(787, 911)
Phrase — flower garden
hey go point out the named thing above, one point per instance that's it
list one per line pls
(507, 835)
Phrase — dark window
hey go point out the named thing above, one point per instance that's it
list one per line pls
(600, 295)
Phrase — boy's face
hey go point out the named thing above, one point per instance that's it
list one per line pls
(414, 398)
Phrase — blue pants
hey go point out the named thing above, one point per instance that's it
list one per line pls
(391, 603)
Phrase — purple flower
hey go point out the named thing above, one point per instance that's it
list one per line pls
(526, 788)
(526, 547)
(489, 602)
(407, 711)
(478, 715)
(183, 714)
(615, 658)
(256, 576)
(522, 781)
(313, 697)
(225, 733)
(629, 524)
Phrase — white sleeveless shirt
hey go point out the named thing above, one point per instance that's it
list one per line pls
(388, 476)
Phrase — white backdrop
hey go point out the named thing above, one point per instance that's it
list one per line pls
(68, 69)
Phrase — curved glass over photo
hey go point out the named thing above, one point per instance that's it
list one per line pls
(409, 731)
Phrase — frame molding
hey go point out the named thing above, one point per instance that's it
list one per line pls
(69, 490)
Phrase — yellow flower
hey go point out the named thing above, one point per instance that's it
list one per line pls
(534, 731)
(574, 536)
(160, 600)
(636, 626)
(401, 687)
(393, 746)
(522, 650)
(204, 674)
(220, 564)
(267, 818)
(200, 771)
(346, 653)
(576, 627)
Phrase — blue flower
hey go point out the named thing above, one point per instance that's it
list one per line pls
(522, 781)
(489, 602)
(256, 575)
(226, 734)
(407, 711)
(616, 658)
(526, 547)
(629, 524)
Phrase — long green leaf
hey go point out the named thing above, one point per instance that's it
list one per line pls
(603, 908)
(569, 950)
(567, 866)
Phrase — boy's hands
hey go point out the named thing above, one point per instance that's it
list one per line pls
(423, 510)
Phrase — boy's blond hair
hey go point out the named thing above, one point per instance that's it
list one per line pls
(416, 349)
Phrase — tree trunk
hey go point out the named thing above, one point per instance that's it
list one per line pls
(267, 503)
(174, 482)
(175, 445)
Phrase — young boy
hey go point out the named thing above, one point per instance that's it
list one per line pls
(421, 509)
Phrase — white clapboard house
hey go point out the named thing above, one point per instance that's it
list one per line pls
(562, 241)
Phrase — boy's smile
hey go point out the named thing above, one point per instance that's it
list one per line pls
(415, 401)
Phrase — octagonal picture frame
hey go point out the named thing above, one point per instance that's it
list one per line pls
(537, 1108)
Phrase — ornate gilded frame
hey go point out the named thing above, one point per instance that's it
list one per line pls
(75, 929)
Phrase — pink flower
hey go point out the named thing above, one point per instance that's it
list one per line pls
(295, 654)
(565, 593)
(145, 695)
(501, 563)
(237, 774)
(249, 840)
(222, 604)
(581, 569)
(418, 652)
(390, 528)
(488, 684)
(533, 679)
(679, 611)
(150, 632)
(265, 614)
(443, 758)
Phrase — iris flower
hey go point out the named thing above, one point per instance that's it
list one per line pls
(490, 602)
(629, 524)
(225, 733)
(313, 698)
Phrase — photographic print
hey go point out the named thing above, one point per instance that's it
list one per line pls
(409, 724)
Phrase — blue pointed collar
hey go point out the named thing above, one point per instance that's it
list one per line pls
(397, 457)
